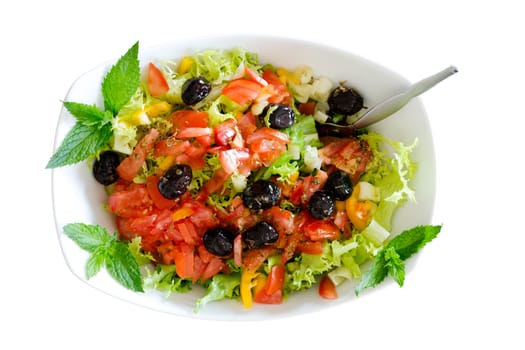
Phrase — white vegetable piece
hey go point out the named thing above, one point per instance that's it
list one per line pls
(369, 192)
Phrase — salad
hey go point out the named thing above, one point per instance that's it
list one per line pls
(217, 176)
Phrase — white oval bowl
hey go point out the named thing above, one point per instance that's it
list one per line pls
(77, 197)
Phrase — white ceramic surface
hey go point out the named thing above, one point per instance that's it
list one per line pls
(78, 198)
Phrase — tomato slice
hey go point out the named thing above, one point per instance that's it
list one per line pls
(132, 202)
(189, 119)
(184, 260)
(318, 230)
(275, 279)
(130, 166)
(188, 132)
(157, 84)
(225, 132)
(281, 94)
(242, 91)
(327, 288)
(231, 159)
(255, 77)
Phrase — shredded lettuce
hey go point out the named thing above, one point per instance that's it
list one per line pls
(391, 173)
(221, 287)
(221, 65)
(165, 279)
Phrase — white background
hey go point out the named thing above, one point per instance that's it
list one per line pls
(467, 288)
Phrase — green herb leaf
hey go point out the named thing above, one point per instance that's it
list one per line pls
(86, 114)
(106, 251)
(390, 259)
(395, 266)
(122, 81)
(95, 262)
(81, 142)
(124, 268)
(411, 241)
(88, 237)
(375, 275)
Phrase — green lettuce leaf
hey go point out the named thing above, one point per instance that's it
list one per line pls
(220, 287)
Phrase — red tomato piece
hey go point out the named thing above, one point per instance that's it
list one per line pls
(225, 132)
(309, 247)
(130, 166)
(351, 155)
(281, 94)
(157, 84)
(275, 279)
(318, 230)
(170, 147)
(255, 77)
(231, 159)
(307, 108)
(189, 119)
(237, 250)
(327, 288)
(246, 124)
(186, 132)
(214, 267)
(254, 258)
(242, 91)
(184, 259)
(132, 202)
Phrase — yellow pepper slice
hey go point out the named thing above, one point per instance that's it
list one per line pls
(155, 109)
(247, 283)
(185, 65)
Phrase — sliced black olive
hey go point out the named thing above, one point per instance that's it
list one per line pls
(175, 181)
(345, 101)
(339, 185)
(278, 116)
(260, 235)
(218, 241)
(261, 194)
(105, 168)
(321, 205)
(195, 90)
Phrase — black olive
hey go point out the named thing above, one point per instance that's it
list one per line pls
(321, 205)
(261, 194)
(175, 181)
(345, 101)
(260, 235)
(105, 168)
(218, 241)
(280, 116)
(195, 90)
(339, 185)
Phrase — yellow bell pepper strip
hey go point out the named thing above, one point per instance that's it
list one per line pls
(185, 65)
(247, 283)
(156, 109)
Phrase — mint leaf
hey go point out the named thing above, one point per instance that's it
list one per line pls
(86, 114)
(122, 81)
(411, 241)
(375, 275)
(124, 268)
(95, 262)
(395, 266)
(106, 251)
(390, 259)
(80, 143)
(88, 237)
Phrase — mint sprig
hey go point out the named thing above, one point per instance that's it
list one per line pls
(106, 251)
(390, 259)
(93, 130)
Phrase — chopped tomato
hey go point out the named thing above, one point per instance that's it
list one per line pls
(212, 268)
(281, 94)
(170, 147)
(130, 166)
(309, 247)
(318, 230)
(272, 293)
(306, 108)
(255, 77)
(132, 202)
(254, 258)
(246, 124)
(312, 184)
(157, 84)
(237, 250)
(275, 279)
(327, 288)
(242, 91)
(349, 154)
(189, 119)
(225, 132)
(184, 259)
(231, 159)
(186, 132)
